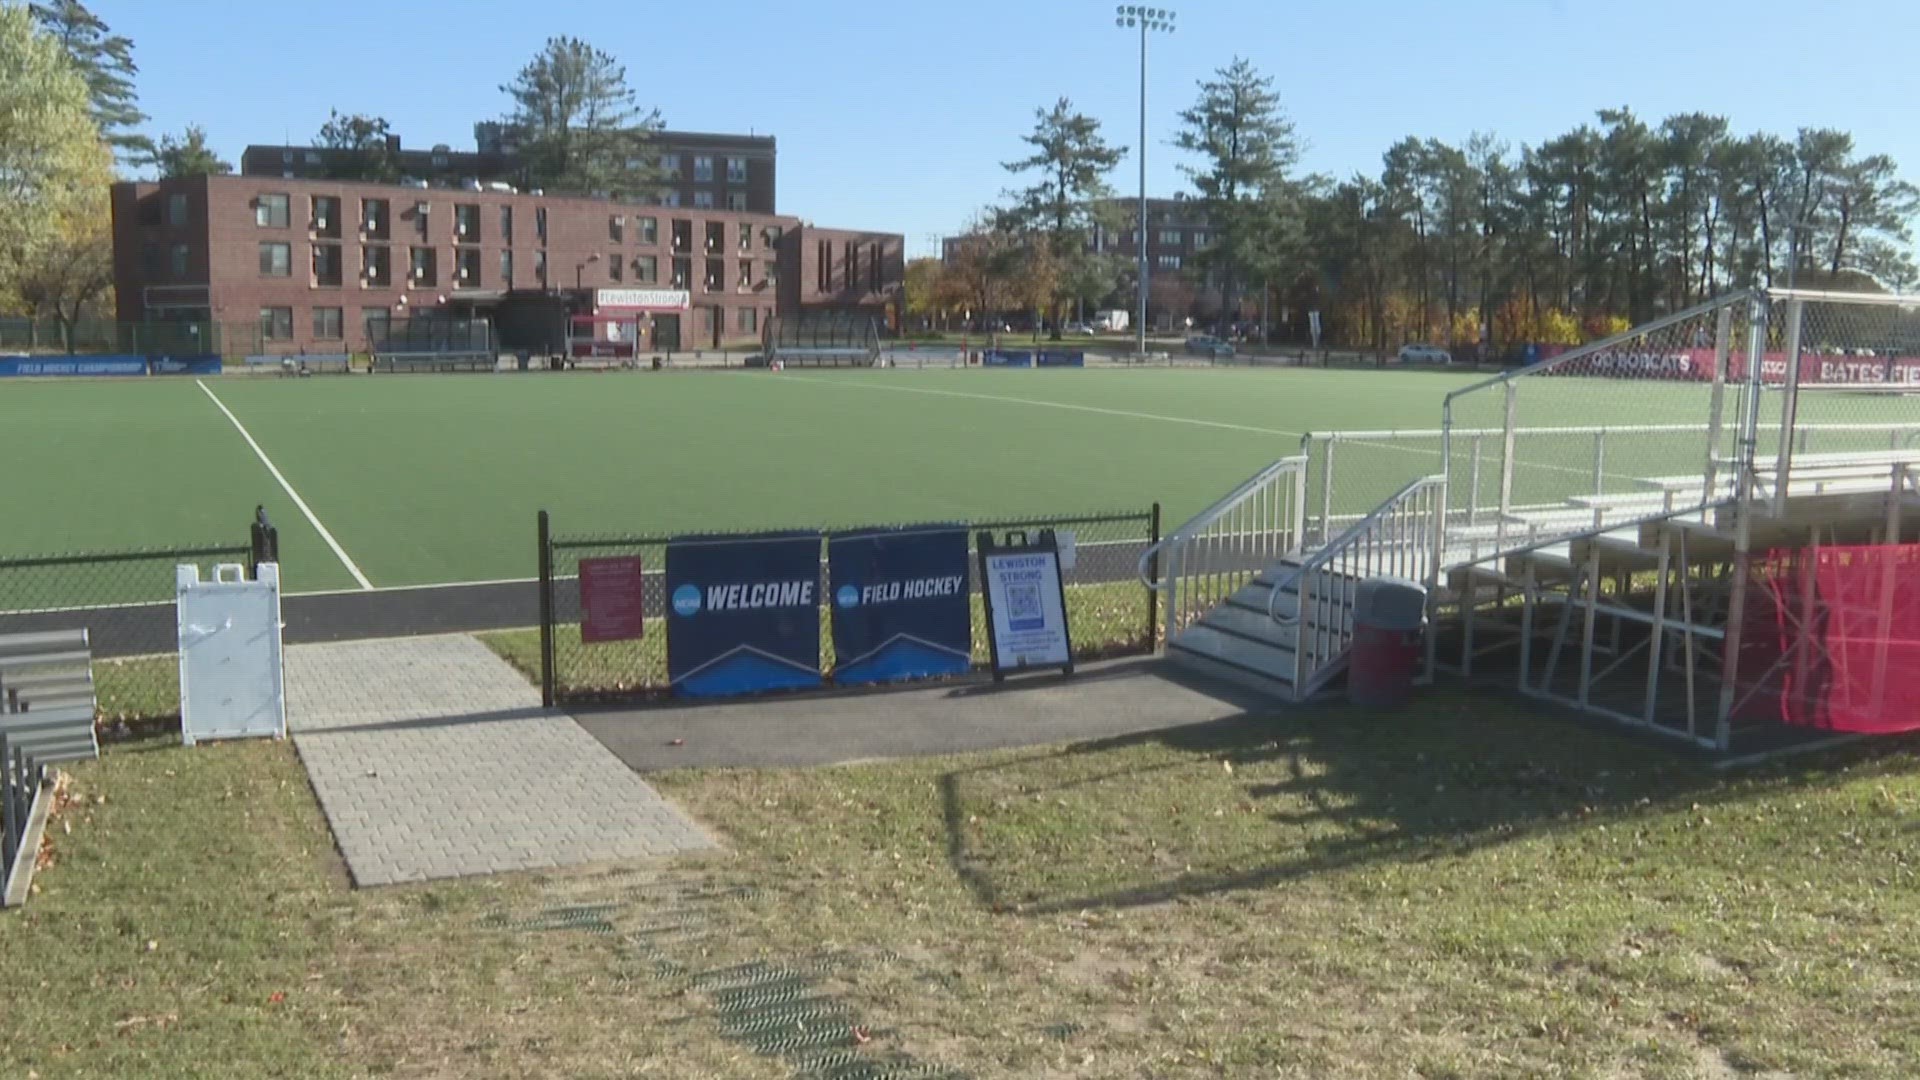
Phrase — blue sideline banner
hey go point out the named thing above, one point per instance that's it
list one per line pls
(900, 604)
(1006, 358)
(28, 366)
(743, 613)
(1060, 358)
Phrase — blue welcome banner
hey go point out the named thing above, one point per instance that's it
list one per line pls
(62, 366)
(743, 613)
(1006, 358)
(900, 604)
(1060, 358)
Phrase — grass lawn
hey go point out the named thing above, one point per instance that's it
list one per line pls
(1444, 893)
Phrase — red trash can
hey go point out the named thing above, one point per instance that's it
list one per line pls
(1389, 617)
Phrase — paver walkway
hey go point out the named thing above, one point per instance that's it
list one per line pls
(432, 758)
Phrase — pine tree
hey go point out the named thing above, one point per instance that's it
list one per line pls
(105, 60)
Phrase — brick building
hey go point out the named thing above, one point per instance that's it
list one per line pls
(291, 265)
(703, 171)
(1177, 230)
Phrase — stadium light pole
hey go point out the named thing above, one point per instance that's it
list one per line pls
(1126, 16)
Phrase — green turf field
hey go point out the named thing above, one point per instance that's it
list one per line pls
(424, 479)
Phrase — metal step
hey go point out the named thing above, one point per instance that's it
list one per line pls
(1274, 661)
(1226, 671)
(1252, 624)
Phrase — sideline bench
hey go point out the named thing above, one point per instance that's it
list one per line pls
(46, 696)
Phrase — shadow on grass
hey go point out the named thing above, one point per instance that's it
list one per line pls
(1326, 789)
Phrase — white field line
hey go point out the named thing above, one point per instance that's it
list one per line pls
(1220, 424)
(312, 519)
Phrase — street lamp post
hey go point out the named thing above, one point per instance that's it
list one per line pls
(1126, 16)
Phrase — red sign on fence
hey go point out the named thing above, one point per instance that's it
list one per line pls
(612, 607)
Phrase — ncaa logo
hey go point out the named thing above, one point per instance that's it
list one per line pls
(686, 600)
(847, 596)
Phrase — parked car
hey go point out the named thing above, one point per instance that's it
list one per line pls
(1208, 345)
(1424, 354)
(1079, 328)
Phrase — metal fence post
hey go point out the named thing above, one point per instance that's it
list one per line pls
(1153, 572)
(545, 541)
(1789, 404)
(1506, 462)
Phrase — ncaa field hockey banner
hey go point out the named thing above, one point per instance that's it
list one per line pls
(743, 614)
(900, 604)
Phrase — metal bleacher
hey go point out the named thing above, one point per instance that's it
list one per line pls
(1604, 568)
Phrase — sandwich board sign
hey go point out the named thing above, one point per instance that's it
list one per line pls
(1025, 602)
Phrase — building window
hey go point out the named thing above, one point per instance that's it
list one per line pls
(745, 277)
(540, 267)
(823, 260)
(506, 224)
(716, 275)
(374, 219)
(1167, 262)
(276, 260)
(671, 198)
(682, 272)
(749, 320)
(150, 212)
(150, 259)
(270, 211)
(1169, 238)
(423, 266)
(540, 223)
(177, 209)
(439, 161)
(682, 235)
(772, 271)
(702, 169)
(616, 266)
(649, 230)
(276, 324)
(326, 264)
(746, 236)
(466, 271)
(852, 280)
(716, 236)
(617, 228)
(466, 223)
(670, 166)
(313, 157)
(873, 266)
(1199, 239)
(374, 320)
(646, 268)
(736, 200)
(376, 265)
(770, 237)
(506, 269)
(736, 170)
(177, 259)
(328, 324)
(326, 216)
(703, 200)
(421, 212)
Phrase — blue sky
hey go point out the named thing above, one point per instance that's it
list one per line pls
(897, 115)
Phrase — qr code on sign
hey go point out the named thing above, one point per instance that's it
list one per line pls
(1023, 606)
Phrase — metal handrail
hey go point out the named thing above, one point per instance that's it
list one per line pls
(1339, 544)
(1212, 514)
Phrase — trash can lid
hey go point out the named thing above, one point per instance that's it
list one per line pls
(1390, 603)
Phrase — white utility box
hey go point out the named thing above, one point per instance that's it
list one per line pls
(231, 683)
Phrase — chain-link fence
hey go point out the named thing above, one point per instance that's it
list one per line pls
(103, 337)
(1110, 612)
(125, 602)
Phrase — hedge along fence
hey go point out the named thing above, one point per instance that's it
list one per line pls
(1109, 611)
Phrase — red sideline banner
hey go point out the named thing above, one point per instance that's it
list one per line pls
(612, 592)
(1832, 638)
(1696, 365)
